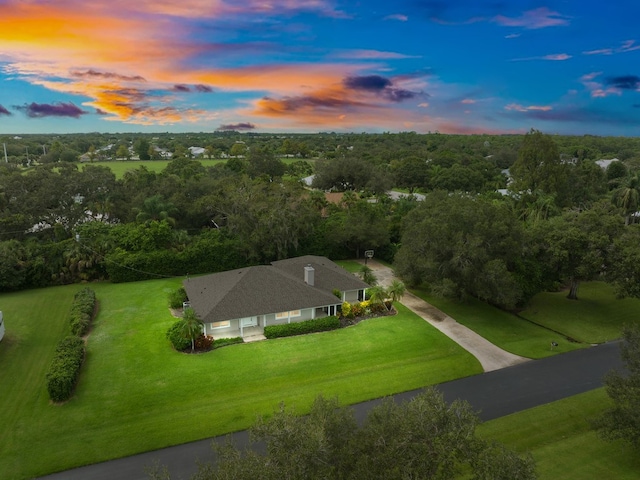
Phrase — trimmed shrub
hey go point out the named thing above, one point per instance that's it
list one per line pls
(176, 337)
(65, 368)
(203, 343)
(82, 309)
(223, 342)
(301, 328)
(177, 297)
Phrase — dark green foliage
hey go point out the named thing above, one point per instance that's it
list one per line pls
(622, 422)
(301, 328)
(223, 342)
(65, 368)
(462, 246)
(84, 304)
(424, 438)
(177, 298)
(179, 341)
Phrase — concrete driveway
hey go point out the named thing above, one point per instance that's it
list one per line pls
(490, 356)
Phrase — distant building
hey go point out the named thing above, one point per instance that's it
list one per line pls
(604, 164)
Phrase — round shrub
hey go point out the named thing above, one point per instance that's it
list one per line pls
(176, 337)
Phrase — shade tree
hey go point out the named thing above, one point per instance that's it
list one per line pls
(424, 437)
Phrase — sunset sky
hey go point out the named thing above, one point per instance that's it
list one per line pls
(457, 66)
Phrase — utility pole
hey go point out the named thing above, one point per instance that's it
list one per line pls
(6, 160)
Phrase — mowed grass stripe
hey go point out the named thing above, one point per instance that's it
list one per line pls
(136, 394)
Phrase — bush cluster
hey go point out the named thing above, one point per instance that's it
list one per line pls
(203, 343)
(223, 342)
(300, 328)
(176, 337)
(177, 298)
(82, 309)
(65, 368)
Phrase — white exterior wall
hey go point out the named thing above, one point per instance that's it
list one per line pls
(351, 296)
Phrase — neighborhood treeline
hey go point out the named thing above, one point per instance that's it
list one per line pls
(504, 217)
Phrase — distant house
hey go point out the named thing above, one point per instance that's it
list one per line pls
(240, 303)
(604, 164)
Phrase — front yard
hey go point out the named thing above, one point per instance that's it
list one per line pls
(137, 394)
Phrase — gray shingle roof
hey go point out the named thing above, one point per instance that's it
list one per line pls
(264, 289)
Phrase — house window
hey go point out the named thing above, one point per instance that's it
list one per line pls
(292, 313)
(225, 324)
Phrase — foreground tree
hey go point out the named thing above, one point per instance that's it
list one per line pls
(422, 438)
(622, 422)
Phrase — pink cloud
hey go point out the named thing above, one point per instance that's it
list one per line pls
(373, 55)
(626, 46)
(397, 16)
(516, 107)
(598, 89)
(557, 57)
(533, 19)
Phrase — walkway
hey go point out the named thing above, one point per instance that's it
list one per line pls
(490, 356)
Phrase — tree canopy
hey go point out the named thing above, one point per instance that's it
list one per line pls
(421, 438)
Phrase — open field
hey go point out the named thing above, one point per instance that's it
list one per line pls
(120, 167)
(559, 437)
(136, 394)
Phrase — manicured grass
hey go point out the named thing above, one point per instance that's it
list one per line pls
(352, 266)
(596, 317)
(136, 394)
(502, 328)
(120, 167)
(560, 439)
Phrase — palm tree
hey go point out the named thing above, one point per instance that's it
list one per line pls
(368, 276)
(628, 196)
(396, 290)
(157, 208)
(377, 295)
(191, 326)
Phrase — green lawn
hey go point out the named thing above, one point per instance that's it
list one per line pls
(559, 437)
(597, 316)
(502, 328)
(120, 167)
(136, 394)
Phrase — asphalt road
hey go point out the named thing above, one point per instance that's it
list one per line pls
(493, 394)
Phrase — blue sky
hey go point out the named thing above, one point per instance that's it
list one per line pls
(567, 67)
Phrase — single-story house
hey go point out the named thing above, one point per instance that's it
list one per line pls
(240, 303)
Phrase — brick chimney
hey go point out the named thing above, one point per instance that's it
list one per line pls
(309, 274)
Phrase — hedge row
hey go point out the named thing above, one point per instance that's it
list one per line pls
(82, 309)
(65, 368)
(300, 328)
